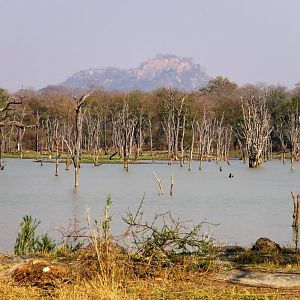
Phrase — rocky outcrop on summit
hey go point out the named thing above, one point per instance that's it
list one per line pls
(161, 71)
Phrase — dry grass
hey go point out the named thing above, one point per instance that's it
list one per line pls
(130, 279)
(199, 288)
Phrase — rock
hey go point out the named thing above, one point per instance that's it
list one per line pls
(274, 279)
(46, 269)
(265, 245)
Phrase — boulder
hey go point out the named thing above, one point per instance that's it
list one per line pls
(265, 245)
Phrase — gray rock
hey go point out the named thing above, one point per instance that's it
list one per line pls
(265, 245)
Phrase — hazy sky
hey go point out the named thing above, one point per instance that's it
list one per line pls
(45, 41)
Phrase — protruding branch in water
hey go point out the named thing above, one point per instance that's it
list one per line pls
(161, 191)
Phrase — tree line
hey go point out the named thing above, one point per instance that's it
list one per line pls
(209, 123)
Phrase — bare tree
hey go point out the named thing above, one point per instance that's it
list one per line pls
(205, 135)
(219, 134)
(56, 138)
(256, 127)
(139, 134)
(293, 135)
(281, 134)
(149, 124)
(74, 144)
(37, 137)
(124, 126)
(173, 123)
(192, 124)
(93, 124)
(6, 121)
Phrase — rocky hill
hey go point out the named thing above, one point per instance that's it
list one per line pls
(160, 71)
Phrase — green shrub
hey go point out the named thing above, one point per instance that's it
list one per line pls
(26, 239)
(28, 243)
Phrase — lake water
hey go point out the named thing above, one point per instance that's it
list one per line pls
(255, 203)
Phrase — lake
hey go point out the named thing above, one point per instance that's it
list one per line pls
(254, 203)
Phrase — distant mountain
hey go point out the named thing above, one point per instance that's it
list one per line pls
(160, 71)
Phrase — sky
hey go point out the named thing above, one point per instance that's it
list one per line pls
(45, 41)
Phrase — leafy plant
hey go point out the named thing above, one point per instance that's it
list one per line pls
(26, 239)
(44, 244)
(28, 243)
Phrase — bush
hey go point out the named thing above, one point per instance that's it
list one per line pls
(166, 237)
(28, 243)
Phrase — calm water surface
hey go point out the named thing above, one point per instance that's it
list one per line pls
(255, 203)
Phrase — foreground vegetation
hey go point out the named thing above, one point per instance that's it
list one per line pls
(78, 275)
(185, 286)
(163, 259)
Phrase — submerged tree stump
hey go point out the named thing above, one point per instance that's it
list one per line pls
(296, 201)
(172, 185)
(254, 161)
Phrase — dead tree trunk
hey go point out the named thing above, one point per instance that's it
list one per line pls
(124, 126)
(204, 138)
(173, 123)
(76, 141)
(226, 143)
(93, 124)
(296, 201)
(192, 144)
(56, 143)
(151, 138)
(293, 136)
(1, 148)
(172, 185)
(15, 123)
(37, 126)
(182, 139)
(20, 132)
(139, 135)
(67, 137)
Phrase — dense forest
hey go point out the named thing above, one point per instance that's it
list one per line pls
(252, 120)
